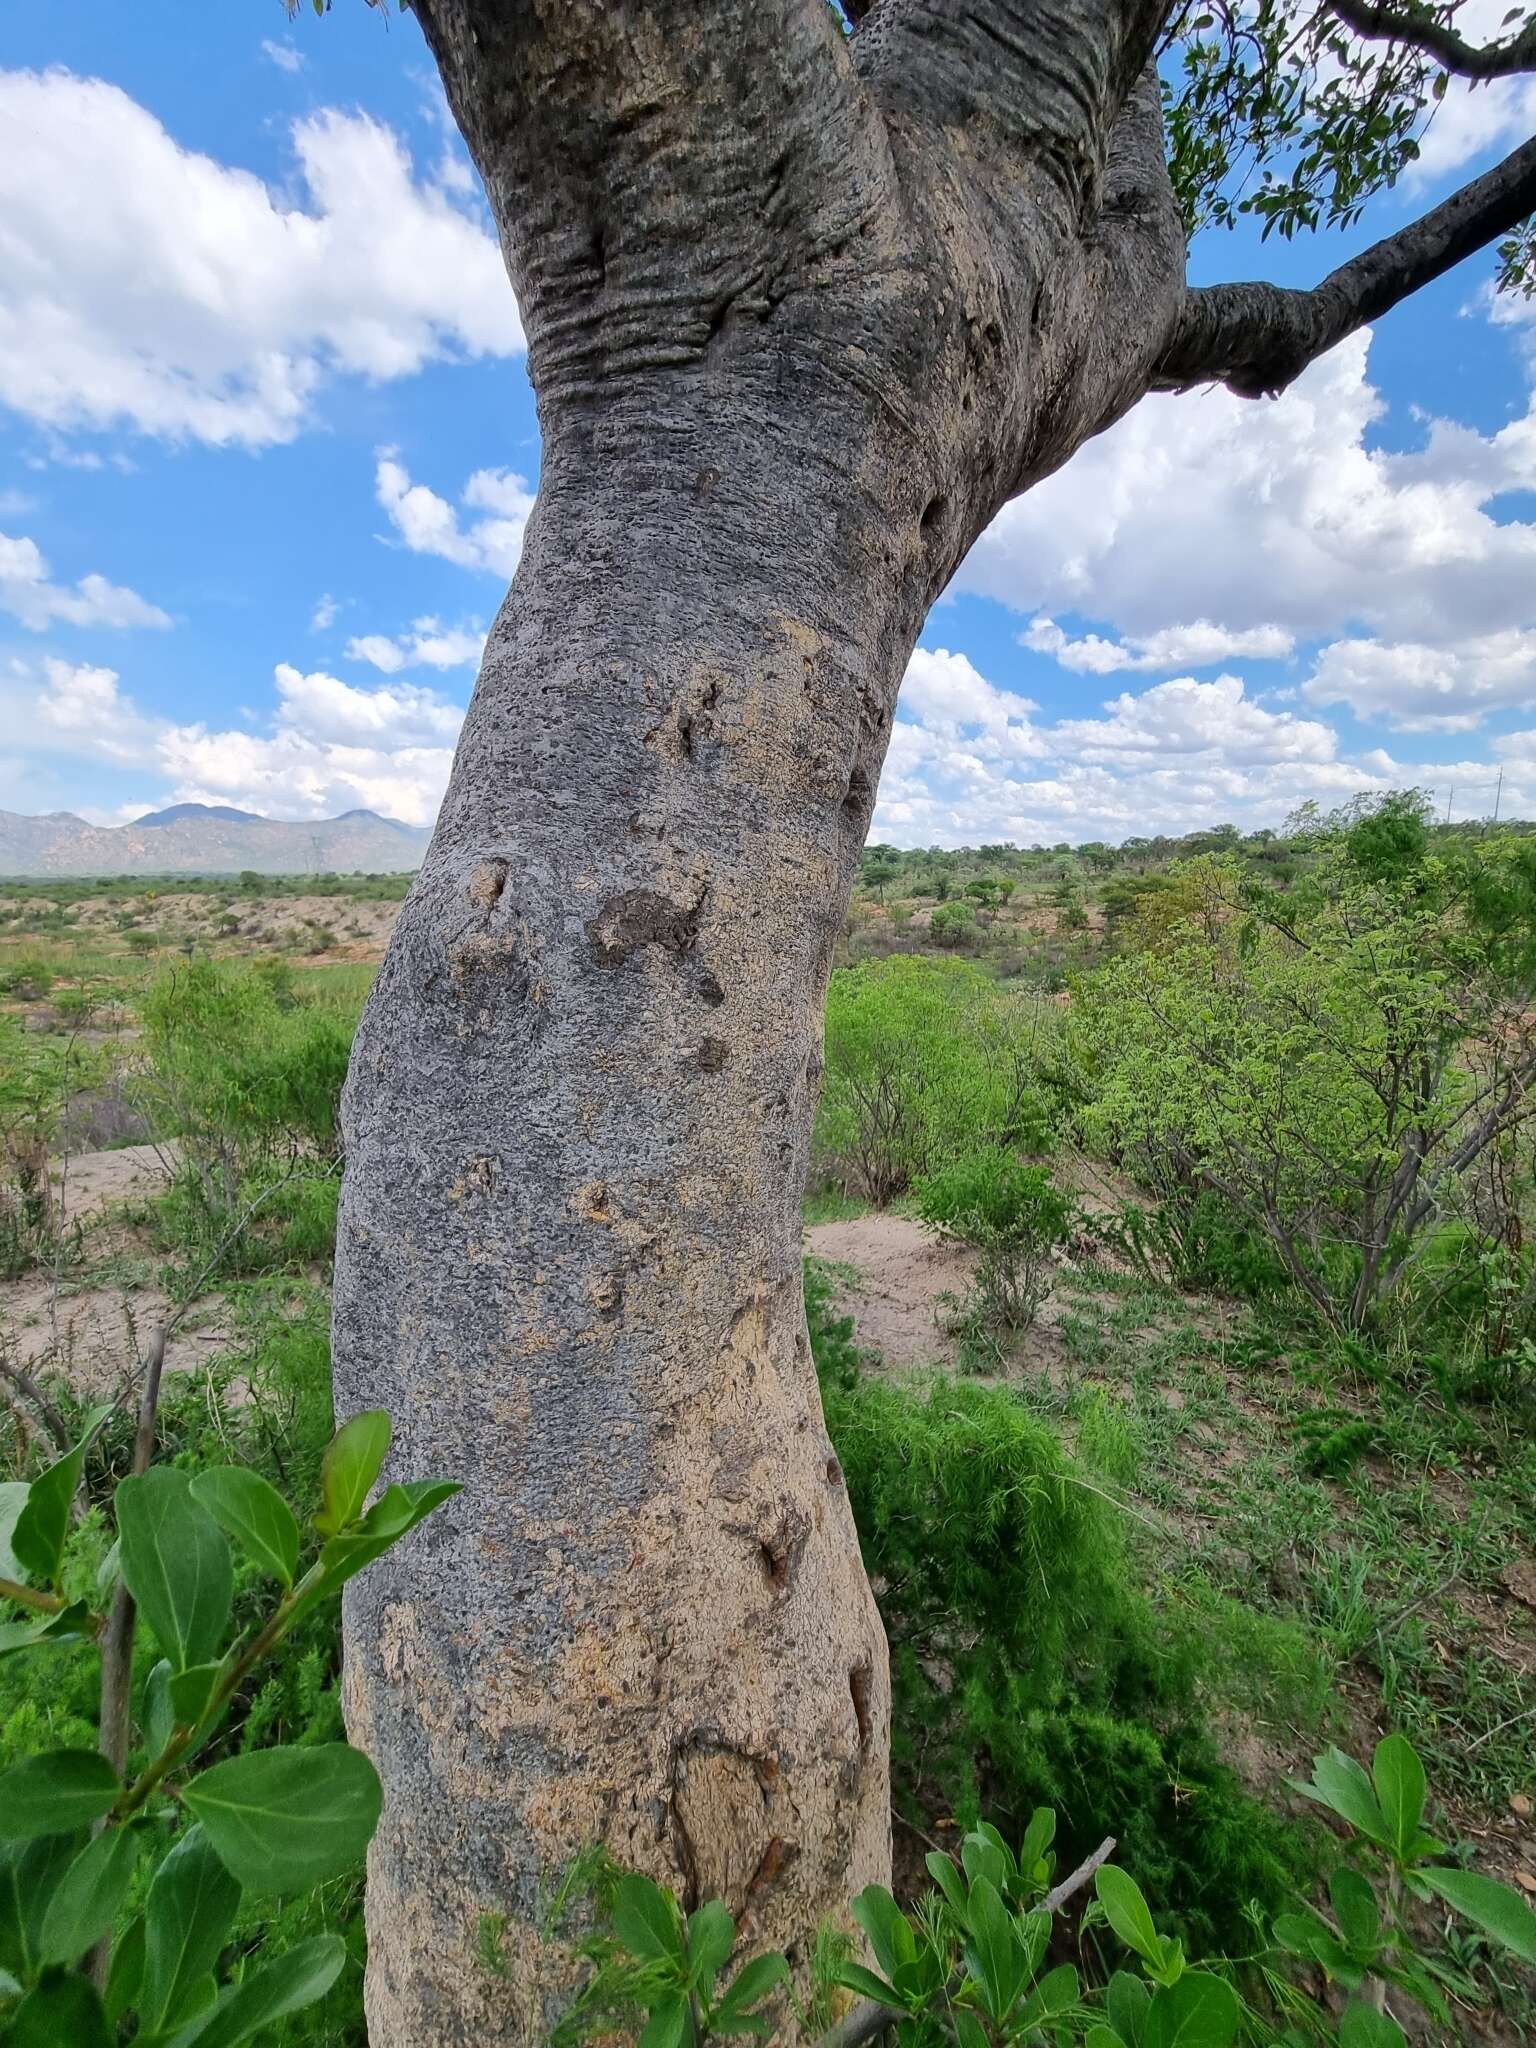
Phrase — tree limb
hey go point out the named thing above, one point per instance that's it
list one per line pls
(1258, 338)
(1438, 38)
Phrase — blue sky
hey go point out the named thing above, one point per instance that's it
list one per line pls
(267, 442)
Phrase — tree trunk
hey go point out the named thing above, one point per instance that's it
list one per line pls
(569, 1257)
(783, 381)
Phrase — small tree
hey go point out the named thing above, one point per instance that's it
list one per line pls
(1335, 1060)
(1014, 1218)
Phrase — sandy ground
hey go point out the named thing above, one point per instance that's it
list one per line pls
(901, 1272)
(89, 1322)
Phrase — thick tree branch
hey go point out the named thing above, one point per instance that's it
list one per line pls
(1045, 82)
(1257, 338)
(1420, 29)
(652, 167)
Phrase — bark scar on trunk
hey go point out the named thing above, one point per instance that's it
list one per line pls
(643, 917)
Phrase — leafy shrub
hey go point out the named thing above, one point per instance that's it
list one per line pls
(1014, 1217)
(968, 1966)
(26, 976)
(218, 1818)
(1027, 1666)
(953, 924)
(925, 1060)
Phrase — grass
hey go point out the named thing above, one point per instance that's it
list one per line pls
(1390, 1568)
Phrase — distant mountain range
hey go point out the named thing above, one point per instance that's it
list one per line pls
(207, 839)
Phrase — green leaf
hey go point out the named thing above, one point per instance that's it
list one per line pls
(159, 1716)
(69, 1625)
(30, 1873)
(1362, 2026)
(993, 1954)
(37, 1536)
(127, 1972)
(1127, 1911)
(1355, 1909)
(64, 2012)
(55, 1793)
(669, 2025)
(13, 1498)
(189, 1691)
(394, 1514)
(191, 1907)
(86, 1903)
(1399, 1781)
(176, 1563)
(646, 1919)
(855, 1977)
(982, 1855)
(949, 1882)
(711, 1937)
(1483, 1900)
(1200, 2011)
(353, 1461)
(250, 1509)
(1100, 2036)
(1340, 1784)
(296, 1978)
(970, 2033)
(750, 1986)
(286, 1819)
(886, 1925)
(1057, 1992)
(1126, 2001)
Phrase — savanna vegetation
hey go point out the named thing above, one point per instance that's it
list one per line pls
(1222, 1462)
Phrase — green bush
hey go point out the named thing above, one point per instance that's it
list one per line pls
(925, 1060)
(1014, 1217)
(1028, 1667)
(953, 924)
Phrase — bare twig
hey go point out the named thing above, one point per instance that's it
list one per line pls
(18, 1377)
(870, 2019)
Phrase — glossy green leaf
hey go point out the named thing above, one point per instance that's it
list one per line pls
(1483, 1900)
(353, 1461)
(252, 1511)
(886, 1925)
(669, 2025)
(1398, 1777)
(393, 1515)
(646, 1919)
(86, 1903)
(63, 2012)
(994, 1954)
(30, 1873)
(1127, 1911)
(949, 1882)
(1340, 1784)
(1056, 1993)
(749, 1987)
(176, 1564)
(70, 1625)
(189, 1691)
(159, 1715)
(1126, 2000)
(38, 1533)
(55, 1793)
(1355, 1909)
(1200, 2011)
(855, 1977)
(191, 1907)
(13, 1498)
(711, 1937)
(286, 1819)
(296, 1978)
(126, 1974)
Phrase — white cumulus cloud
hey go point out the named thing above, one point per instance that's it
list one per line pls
(152, 286)
(498, 500)
(428, 644)
(28, 595)
(1199, 645)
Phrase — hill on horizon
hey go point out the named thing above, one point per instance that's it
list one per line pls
(206, 839)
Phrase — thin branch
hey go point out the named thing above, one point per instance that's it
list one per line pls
(1258, 338)
(869, 2020)
(18, 1377)
(1419, 29)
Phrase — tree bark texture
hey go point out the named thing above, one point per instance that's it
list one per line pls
(802, 314)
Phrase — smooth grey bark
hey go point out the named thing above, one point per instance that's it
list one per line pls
(801, 316)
